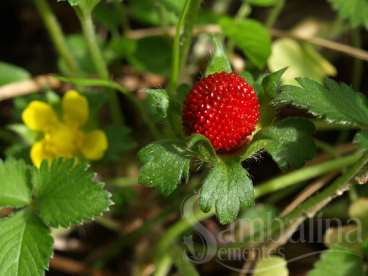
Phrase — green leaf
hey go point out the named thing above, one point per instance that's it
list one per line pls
(120, 142)
(109, 15)
(226, 188)
(68, 193)
(165, 165)
(25, 245)
(251, 37)
(152, 54)
(354, 10)
(271, 266)
(28, 136)
(15, 191)
(157, 102)
(10, 73)
(219, 60)
(301, 59)
(338, 261)
(156, 12)
(334, 102)
(78, 48)
(289, 142)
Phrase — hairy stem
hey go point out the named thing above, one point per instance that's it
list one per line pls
(304, 174)
(182, 41)
(99, 62)
(56, 34)
(276, 184)
(307, 209)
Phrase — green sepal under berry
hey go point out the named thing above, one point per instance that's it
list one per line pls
(25, 245)
(67, 193)
(219, 61)
(289, 142)
(267, 88)
(333, 102)
(226, 189)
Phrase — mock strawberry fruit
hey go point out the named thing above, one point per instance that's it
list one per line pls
(224, 108)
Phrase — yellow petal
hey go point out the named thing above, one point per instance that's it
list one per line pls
(63, 141)
(95, 145)
(75, 109)
(39, 116)
(39, 153)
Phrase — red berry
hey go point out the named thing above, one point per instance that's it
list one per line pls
(224, 108)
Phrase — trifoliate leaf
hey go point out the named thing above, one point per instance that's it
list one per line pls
(354, 10)
(302, 60)
(67, 193)
(14, 185)
(271, 266)
(25, 245)
(120, 142)
(289, 142)
(251, 37)
(157, 103)
(226, 188)
(338, 261)
(10, 73)
(219, 60)
(165, 165)
(334, 102)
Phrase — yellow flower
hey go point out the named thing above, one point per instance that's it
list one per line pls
(64, 137)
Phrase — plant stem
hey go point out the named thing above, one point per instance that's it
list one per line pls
(163, 268)
(358, 65)
(182, 262)
(99, 62)
(182, 42)
(306, 209)
(304, 174)
(56, 34)
(275, 12)
(276, 184)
